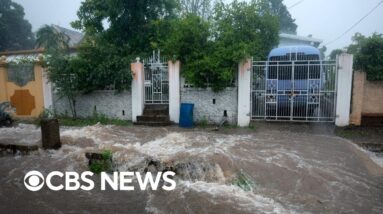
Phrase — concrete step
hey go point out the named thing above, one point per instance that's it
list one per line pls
(167, 123)
(153, 118)
(154, 110)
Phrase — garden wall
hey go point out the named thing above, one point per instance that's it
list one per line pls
(210, 106)
(118, 106)
(367, 99)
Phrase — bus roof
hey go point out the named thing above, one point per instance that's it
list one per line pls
(282, 51)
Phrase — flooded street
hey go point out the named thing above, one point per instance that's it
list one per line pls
(285, 172)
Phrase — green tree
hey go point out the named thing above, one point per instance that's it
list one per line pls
(279, 9)
(369, 56)
(63, 69)
(357, 41)
(116, 32)
(15, 31)
(323, 50)
(210, 50)
(335, 53)
(201, 8)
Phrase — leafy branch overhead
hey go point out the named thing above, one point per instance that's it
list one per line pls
(368, 54)
(209, 39)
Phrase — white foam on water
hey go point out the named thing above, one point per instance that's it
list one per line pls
(377, 159)
(248, 201)
(22, 134)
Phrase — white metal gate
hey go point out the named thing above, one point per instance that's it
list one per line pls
(294, 91)
(156, 80)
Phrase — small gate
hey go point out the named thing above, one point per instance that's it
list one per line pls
(294, 91)
(156, 80)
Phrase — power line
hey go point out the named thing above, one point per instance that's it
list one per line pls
(296, 4)
(354, 25)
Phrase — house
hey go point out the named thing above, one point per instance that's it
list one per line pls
(26, 85)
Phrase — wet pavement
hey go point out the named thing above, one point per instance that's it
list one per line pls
(291, 169)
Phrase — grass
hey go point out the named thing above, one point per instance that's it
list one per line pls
(65, 121)
(103, 165)
(352, 132)
(80, 122)
(244, 182)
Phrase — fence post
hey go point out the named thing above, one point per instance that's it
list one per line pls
(345, 71)
(174, 91)
(244, 94)
(357, 98)
(3, 78)
(47, 85)
(137, 69)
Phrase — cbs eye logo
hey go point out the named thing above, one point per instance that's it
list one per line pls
(34, 181)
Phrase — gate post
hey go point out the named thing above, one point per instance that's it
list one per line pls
(3, 79)
(137, 69)
(174, 91)
(343, 102)
(244, 94)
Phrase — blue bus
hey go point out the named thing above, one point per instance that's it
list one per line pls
(293, 75)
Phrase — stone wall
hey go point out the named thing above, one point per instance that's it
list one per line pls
(109, 103)
(211, 106)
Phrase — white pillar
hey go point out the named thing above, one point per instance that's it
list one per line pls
(47, 91)
(174, 91)
(345, 71)
(244, 71)
(137, 69)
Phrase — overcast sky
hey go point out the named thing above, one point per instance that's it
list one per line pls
(324, 19)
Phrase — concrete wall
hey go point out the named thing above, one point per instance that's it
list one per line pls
(204, 108)
(105, 102)
(367, 98)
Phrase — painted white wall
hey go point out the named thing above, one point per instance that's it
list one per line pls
(137, 69)
(47, 91)
(244, 71)
(174, 91)
(345, 72)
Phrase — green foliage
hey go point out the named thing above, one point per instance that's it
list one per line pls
(15, 31)
(103, 165)
(201, 8)
(95, 119)
(105, 55)
(244, 181)
(63, 73)
(323, 52)
(203, 122)
(278, 8)
(210, 50)
(102, 65)
(335, 53)
(369, 57)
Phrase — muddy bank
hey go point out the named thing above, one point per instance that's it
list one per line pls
(288, 172)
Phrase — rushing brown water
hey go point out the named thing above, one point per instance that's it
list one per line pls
(286, 172)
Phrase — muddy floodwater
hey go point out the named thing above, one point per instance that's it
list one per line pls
(284, 171)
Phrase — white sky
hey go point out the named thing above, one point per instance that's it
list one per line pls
(324, 19)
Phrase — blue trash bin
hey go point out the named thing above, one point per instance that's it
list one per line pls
(186, 115)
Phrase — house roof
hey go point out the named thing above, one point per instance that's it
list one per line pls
(74, 37)
(300, 38)
(74, 40)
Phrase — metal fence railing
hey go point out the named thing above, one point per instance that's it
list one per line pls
(294, 91)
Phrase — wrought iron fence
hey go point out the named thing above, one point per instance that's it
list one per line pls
(294, 90)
